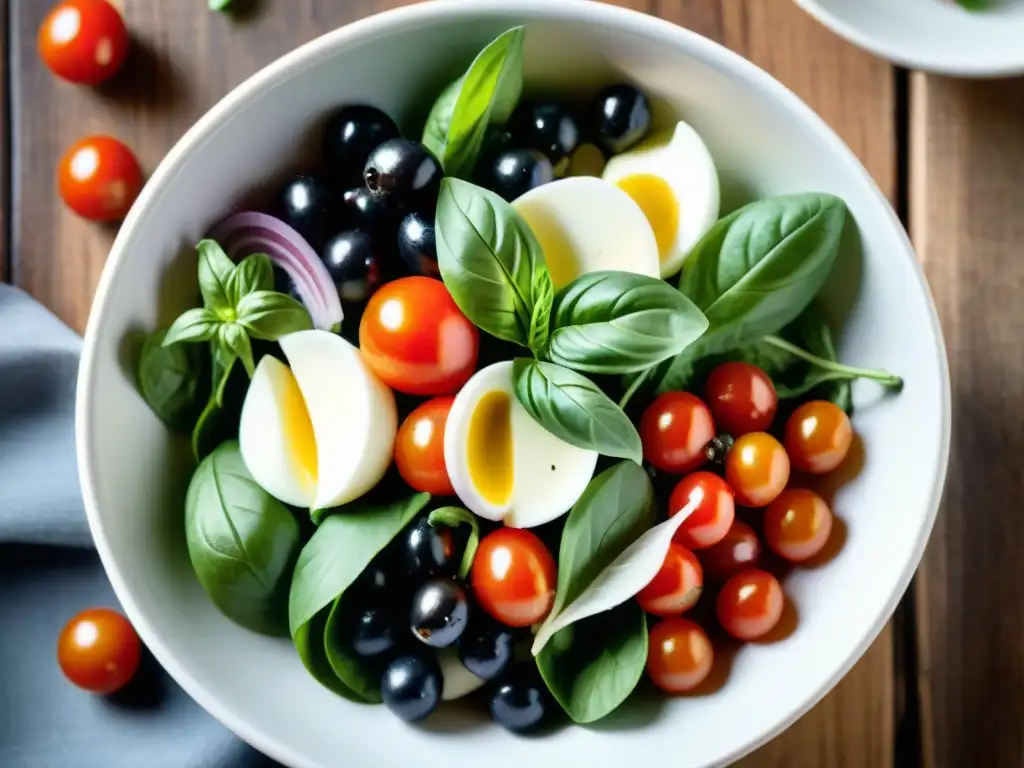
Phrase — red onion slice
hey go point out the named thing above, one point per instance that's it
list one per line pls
(249, 232)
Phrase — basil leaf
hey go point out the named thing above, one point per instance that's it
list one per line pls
(812, 332)
(489, 260)
(540, 318)
(235, 341)
(242, 542)
(169, 380)
(269, 315)
(620, 322)
(311, 643)
(215, 269)
(254, 273)
(192, 325)
(593, 667)
(453, 517)
(488, 92)
(573, 408)
(358, 676)
(756, 270)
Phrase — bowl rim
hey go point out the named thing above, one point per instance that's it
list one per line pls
(952, 66)
(305, 56)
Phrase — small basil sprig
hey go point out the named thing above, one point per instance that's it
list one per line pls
(453, 517)
(487, 93)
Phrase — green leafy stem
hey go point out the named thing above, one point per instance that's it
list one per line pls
(839, 370)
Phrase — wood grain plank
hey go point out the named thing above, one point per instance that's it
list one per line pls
(967, 180)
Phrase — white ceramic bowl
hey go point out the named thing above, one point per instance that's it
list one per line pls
(932, 35)
(764, 141)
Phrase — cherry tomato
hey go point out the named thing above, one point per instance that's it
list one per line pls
(513, 577)
(714, 514)
(99, 651)
(741, 397)
(738, 551)
(99, 178)
(419, 448)
(750, 604)
(674, 430)
(84, 41)
(818, 437)
(797, 524)
(679, 655)
(676, 587)
(416, 340)
(757, 468)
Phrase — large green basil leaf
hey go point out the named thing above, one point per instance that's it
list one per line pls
(488, 92)
(358, 675)
(570, 406)
(171, 379)
(620, 322)
(490, 261)
(592, 667)
(311, 644)
(756, 270)
(242, 542)
(269, 315)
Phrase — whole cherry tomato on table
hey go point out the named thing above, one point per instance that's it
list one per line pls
(741, 397)
(674, 430)
(711, 520)
(750, 604)
(679, 655)
(757, 469)
(415, 338)
(419, 448)
(677, 586)
(818, 437)
(99, 651)
(738, 551)
(83, 41)
(797, 524)
(99, 178)
(513, 577)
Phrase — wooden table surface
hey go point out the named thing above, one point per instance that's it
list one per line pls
(943, 686)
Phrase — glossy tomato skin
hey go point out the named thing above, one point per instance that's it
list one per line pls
(676, 587)
(740, 550)
(414, 337)
(83, 41)
(818, 437)
(99, 651)
(99, 178)
(513, 577)
(679, 655)
(797, 524)
(741, 397)
(674, 430)
(757, 469)
(750, 604)
(716, 509)
(419, 448)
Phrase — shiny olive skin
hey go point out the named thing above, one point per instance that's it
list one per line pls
(352, 261)
(521, 702)
(429, 551)
(547, 127)
(405, 172)
(516, 171)
(620, 117)
(283, 283)
(360, 209)
(411, 686)
(305, 202)
(350, 135)
(416, 244)
(487, 650)
(374, 632)
(439, 613)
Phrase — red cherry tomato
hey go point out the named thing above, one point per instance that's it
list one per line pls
(416, 340)
(99, 178)
(738, 551)
(84, 41)
(674, 430)
(679, 655)
(741, 397)
(750, 604)
(513, 577)
(757, 469)
(99, 651)
(818, 437)
(677, 586)
(419, 448)
(797, 524)
(714, 514)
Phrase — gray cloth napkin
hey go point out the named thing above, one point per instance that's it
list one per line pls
(48, 573)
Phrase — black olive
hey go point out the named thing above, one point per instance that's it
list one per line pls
(283, 283)
(547, 127)
(405, 172)
(621, 117)
(374, 632)
(360, 209)
(487, 650)
(429, 550)
(517, 171)
(350, 135)
(304, 202)
(352, 262)
(520, 702)
(411, 686)
(416, 244)
(439, 613)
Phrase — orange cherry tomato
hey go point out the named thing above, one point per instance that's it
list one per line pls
(99, 651)
(676, 587)
(416, 339)
(419, 448)
(741, 397)
(83, 41)
(513, 577)
(738, 551)
(818, 437)
(674, 430)
(679, 655)
(797, 524)
(711, 520)
(757, 469)
(99, 178)
(750, 604)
